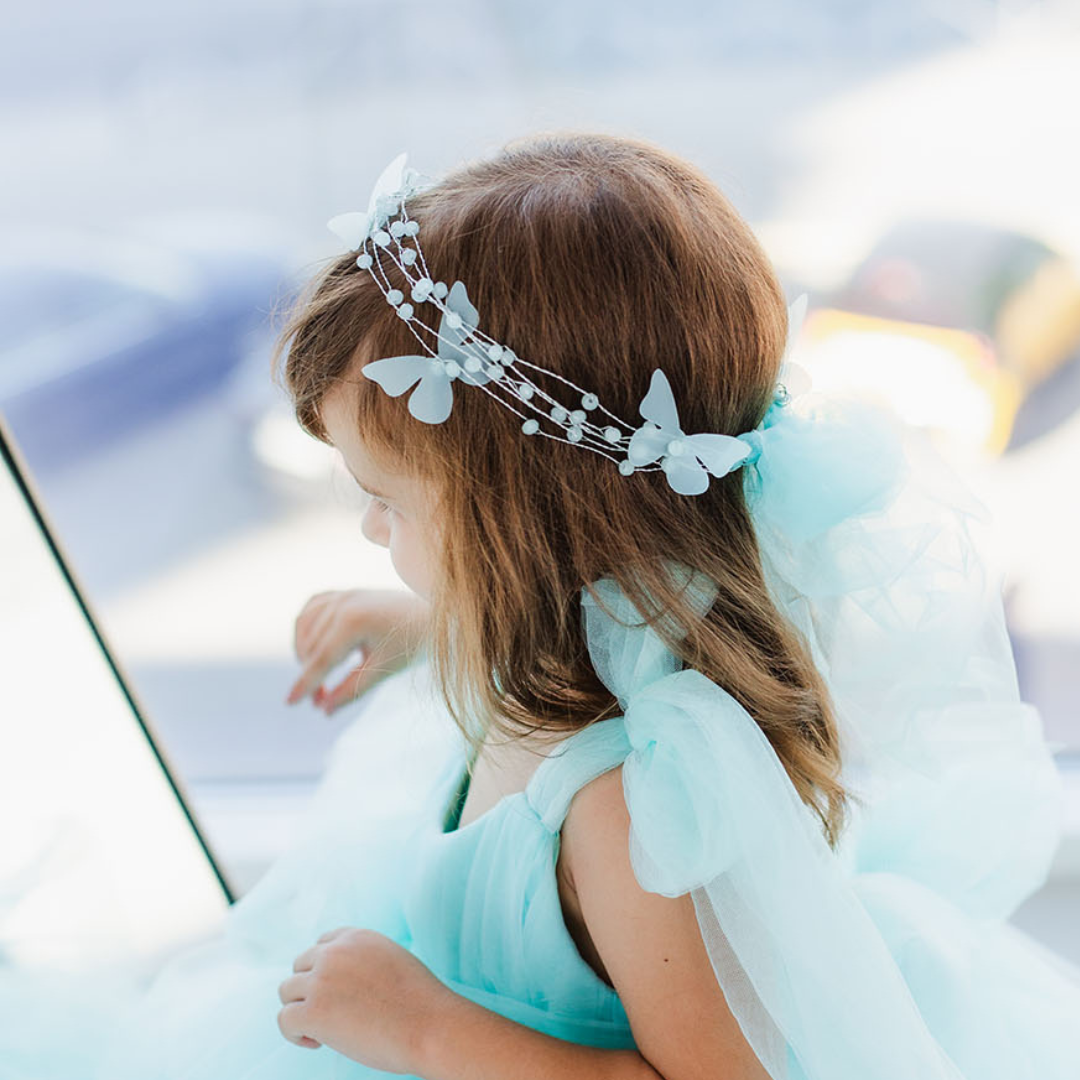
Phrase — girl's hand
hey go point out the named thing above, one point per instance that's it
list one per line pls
(389, 625)
(365, 996)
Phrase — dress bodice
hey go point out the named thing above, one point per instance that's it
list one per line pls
(482, 903)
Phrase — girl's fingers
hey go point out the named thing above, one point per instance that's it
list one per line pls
(350, 687)
(309, 626)
(290, 1023)
(298, 689)
(313, 674)
(294, 988)
(305, 961)
(301, 687)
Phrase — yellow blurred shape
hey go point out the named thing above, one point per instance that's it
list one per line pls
(971, 351)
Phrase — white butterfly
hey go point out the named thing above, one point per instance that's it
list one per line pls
(356, 226)
(433, 398)
(687, 459)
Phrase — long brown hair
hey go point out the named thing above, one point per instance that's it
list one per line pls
(600, 258)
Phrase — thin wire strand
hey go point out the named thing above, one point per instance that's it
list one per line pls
(587, 426)
(471, 345)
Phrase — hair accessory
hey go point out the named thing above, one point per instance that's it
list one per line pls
(464, 353)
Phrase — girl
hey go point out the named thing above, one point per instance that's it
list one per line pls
(691, 664)
(745, 788)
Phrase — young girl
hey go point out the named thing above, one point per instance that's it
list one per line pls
(671, 676)
(745, 788)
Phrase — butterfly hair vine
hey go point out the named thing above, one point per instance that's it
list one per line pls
(465, 354)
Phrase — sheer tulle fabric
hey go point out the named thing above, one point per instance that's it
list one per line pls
(210, 1012)
(887, 958)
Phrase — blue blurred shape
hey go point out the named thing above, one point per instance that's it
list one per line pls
(103, 332)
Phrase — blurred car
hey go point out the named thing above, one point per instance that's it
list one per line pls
(103, 331)
(957, 326)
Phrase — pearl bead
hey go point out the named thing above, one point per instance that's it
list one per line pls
(382, 238)
(421, 290)
(452, 368)
(397, 228)
(612, 434)
(440, 289)
(558, 414)
(578, 416)
(676, 448)
(574, 434)
(453, 320)
(412, 228)
(625, 468)
(394, 297)
(364, 261)
(530, 427)
(405, 311)
(473, 364)
(525, 392)
(495, 352)
(408, 256)
(495, 371)
(589, 401)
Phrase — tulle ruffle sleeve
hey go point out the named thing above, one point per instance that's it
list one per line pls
(680, 838)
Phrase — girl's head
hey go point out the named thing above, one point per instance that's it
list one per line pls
(600, 258)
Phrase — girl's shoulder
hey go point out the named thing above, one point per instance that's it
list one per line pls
(699, 781)
(572, 763)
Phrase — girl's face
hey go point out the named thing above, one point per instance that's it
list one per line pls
(397, 515)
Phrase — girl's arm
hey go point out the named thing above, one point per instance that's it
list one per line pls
(651, 947)
(470, 1042)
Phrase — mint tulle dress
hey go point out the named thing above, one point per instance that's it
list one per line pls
(889, 958)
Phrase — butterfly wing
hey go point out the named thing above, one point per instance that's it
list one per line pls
(395, 374)
(646, 445)
(352, 228)
(658, 405)
(432, 400)
(450, 339)
(796, 317)
(719, 453)
(686, 475)
(389, 183)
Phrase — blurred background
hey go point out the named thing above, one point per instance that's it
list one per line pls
(913, 166)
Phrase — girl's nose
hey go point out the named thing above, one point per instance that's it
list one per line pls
(373, 526)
